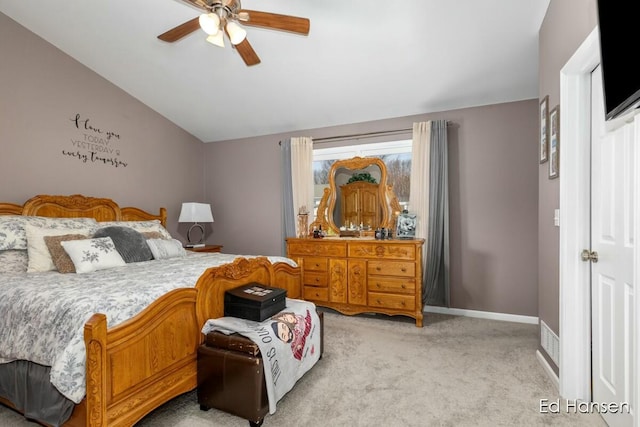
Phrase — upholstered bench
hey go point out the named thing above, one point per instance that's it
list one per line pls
(231, 375)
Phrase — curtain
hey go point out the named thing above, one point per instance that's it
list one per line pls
(297, 187)
(302, 174)
(288, 215)
(429, 199)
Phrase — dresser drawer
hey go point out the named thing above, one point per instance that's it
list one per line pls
(402, 302)
(315, 264)
(313, 293)
(391, 268)
(312, 278)
(401, 251)
(393, 285)
(316, 248)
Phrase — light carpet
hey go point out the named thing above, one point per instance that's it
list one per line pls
(384, 371)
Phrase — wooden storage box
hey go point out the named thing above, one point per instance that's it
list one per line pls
(254, 302)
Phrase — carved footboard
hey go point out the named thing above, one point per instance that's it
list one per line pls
(135, 367)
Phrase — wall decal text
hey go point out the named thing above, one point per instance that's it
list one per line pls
(94, 144)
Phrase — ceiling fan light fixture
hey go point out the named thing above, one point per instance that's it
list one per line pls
(210, 23)
(217, 39)
(236, 33)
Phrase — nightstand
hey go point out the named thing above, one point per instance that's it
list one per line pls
(206, 248)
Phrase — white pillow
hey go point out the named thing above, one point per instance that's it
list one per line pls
(39, 254)
(93, 254)
(163, 248)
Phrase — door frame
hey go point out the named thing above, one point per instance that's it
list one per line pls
(575, 290)
(575, 170)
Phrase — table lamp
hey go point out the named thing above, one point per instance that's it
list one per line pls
(195, 213)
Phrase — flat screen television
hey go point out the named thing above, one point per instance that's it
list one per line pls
(618, 28)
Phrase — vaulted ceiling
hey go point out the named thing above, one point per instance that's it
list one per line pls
(362, 60)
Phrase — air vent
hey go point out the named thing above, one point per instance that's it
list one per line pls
(550, 343)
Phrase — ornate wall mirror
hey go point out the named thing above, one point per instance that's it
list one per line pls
(358, 197)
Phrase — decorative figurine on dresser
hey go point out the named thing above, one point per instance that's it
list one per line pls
(354, 268)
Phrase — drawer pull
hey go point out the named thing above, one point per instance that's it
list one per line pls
(317, 265)
(404, 286)
(378, 301)
(317, 294)
(317, 279)
(404, 270)
(378, 285)
(378, 269)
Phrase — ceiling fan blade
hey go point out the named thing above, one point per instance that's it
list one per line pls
(247, 53)
(180, 31)
(276, 21)
(200, 4)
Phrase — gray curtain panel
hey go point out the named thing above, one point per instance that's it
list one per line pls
(436, 278)
(289, 216)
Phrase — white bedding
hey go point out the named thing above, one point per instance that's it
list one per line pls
(42, 315)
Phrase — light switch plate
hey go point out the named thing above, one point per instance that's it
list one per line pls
(556, 217)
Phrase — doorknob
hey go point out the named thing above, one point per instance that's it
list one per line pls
(588, 255)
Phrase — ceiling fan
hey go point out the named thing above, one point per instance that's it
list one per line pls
(222, 17)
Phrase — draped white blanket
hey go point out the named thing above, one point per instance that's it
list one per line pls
(284, 362)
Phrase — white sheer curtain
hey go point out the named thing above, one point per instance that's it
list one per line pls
(419, 196)
(301, 175)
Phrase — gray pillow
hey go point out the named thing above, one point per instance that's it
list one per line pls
(130, 244)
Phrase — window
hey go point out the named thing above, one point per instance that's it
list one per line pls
(396, 156)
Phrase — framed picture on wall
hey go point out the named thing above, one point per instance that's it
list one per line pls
(554, 142)
(544, 129)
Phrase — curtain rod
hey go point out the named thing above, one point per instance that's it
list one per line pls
(364, 135)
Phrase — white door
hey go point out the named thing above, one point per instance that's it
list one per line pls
(612, 290)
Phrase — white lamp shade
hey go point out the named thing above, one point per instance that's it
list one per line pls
(217, 39)
(195, 212)
(236, 33)
(209, 22)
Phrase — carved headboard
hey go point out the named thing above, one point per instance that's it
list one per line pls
(76, 206)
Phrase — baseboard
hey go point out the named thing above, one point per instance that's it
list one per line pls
(481, 314)
(548, 369)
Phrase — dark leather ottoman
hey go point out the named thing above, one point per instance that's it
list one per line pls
(231, 375)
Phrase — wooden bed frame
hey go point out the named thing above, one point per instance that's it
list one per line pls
(146, 361)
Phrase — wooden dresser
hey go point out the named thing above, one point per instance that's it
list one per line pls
(361, 275)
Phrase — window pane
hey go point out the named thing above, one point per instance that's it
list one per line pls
(399, 175)
(396, 155)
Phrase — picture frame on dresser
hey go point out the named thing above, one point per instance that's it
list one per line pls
(406, 225)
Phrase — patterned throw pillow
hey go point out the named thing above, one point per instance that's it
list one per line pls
(13, 234)
(13, 261)
(39, 254)
(163, 248)
(59, 256)
(93, 254)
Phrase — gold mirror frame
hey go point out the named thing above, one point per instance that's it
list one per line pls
(389, 204)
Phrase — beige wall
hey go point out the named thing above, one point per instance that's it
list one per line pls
(42, 90)
(493, 183)
(566, 25)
